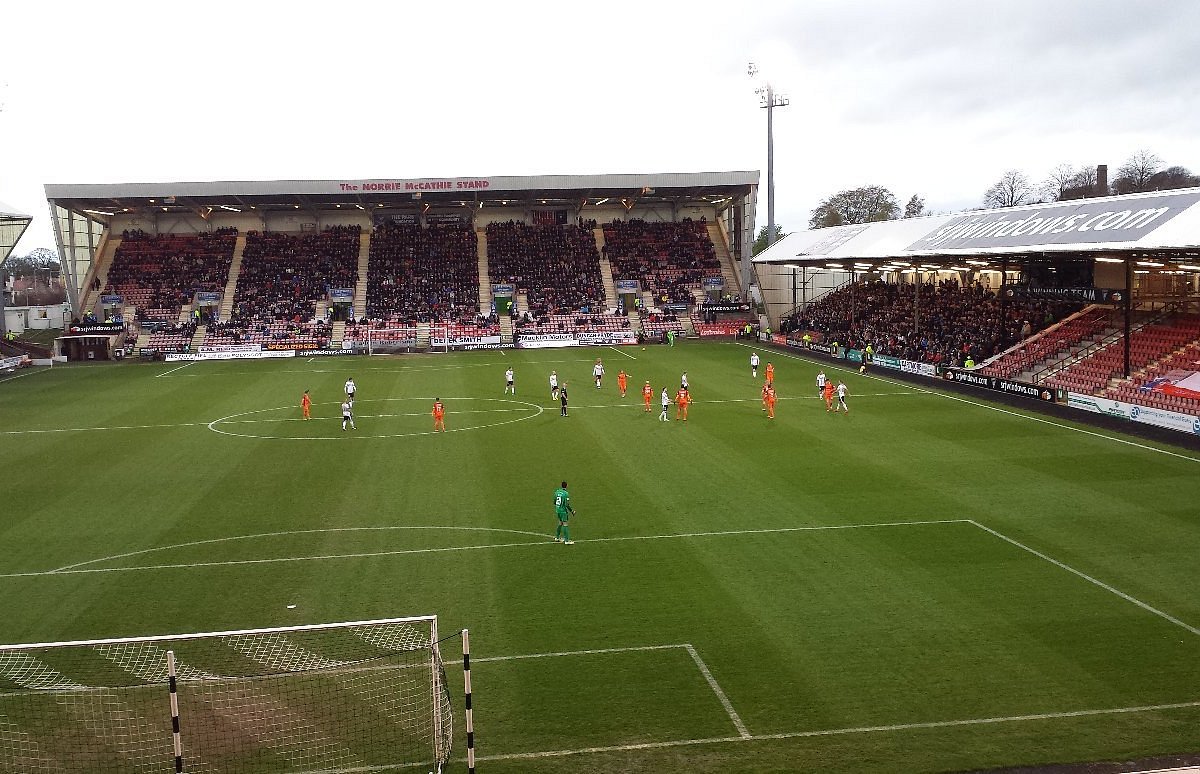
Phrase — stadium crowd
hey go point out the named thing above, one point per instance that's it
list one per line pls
(283, 276)
(557, 266)
(423, 274)
(160, 273)
(949, 324)
(669, 259)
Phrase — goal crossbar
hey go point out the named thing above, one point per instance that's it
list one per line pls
(432, 619)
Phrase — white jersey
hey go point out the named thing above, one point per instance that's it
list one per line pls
(683, 381)
(508, 376)
(821, 380)
(841, 392)
(350, 388)
(666, 400)
(754, 361)
(346, 410)
(598, 370)
(553, 381)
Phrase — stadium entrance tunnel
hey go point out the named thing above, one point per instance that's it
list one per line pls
(374, 418)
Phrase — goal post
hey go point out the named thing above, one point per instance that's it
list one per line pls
(360, 695)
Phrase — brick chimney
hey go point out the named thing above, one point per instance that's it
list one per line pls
(1102, 180)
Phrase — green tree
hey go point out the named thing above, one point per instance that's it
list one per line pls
(915, 207)
(868, 204)
(760, 241)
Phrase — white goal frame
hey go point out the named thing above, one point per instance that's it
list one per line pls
(31, 666)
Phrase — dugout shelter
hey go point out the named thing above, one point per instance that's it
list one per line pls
(1137, 252)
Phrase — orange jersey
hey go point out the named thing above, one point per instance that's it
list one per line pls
(306, 401)
(621, 380)
(682, 398)
(771, 397)
(770, 372)
(439, 410)
(828, 390)
(647, 392)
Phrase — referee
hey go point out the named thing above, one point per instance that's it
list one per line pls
(562, 398)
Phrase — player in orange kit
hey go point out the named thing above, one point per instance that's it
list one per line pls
(647, 395)
(770, 374)
(828, 396)
(622, 382)
(306, 405)
(682, 399)
(766, 387)
(770, 402)
(439, 415)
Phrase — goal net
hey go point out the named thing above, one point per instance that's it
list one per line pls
(359, 696)
(386, 341)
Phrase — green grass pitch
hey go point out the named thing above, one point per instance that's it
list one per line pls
(930, 583)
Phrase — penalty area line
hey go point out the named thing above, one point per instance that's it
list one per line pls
(78, 569)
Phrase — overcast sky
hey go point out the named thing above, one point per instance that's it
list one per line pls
(935, 98)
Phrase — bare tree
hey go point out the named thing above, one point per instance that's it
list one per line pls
(1135, 174)
(915, 207)
(859, 205)
(1057, 182)
(1011, 190)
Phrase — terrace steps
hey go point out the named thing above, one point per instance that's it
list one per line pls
(506, 329)
(610, 287)
(337, 334)
(235, 268)
(485, 277)
(733, 284)
(360, 289)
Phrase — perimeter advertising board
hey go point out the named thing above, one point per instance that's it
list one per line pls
(1172, 420)
(1008, 386)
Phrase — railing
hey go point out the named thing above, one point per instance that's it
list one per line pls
(1051, 371)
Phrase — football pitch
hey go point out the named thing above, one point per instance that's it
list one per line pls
(929, 583)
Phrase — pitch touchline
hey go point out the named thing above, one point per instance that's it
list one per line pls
(78, 569)
(935, 393)
(1165, 616)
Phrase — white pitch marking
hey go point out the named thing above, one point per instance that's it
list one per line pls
(785, 735)
(285, 559)
(113, 427)
(173, 370)
(592, 652)
(288, 533)
(1089, 579)
(712, 683)
(619, 352)
(925, 391)
(27, 373)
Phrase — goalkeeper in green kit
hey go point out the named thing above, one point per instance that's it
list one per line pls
(564, 511)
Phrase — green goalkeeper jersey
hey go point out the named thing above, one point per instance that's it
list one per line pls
(562, 502)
